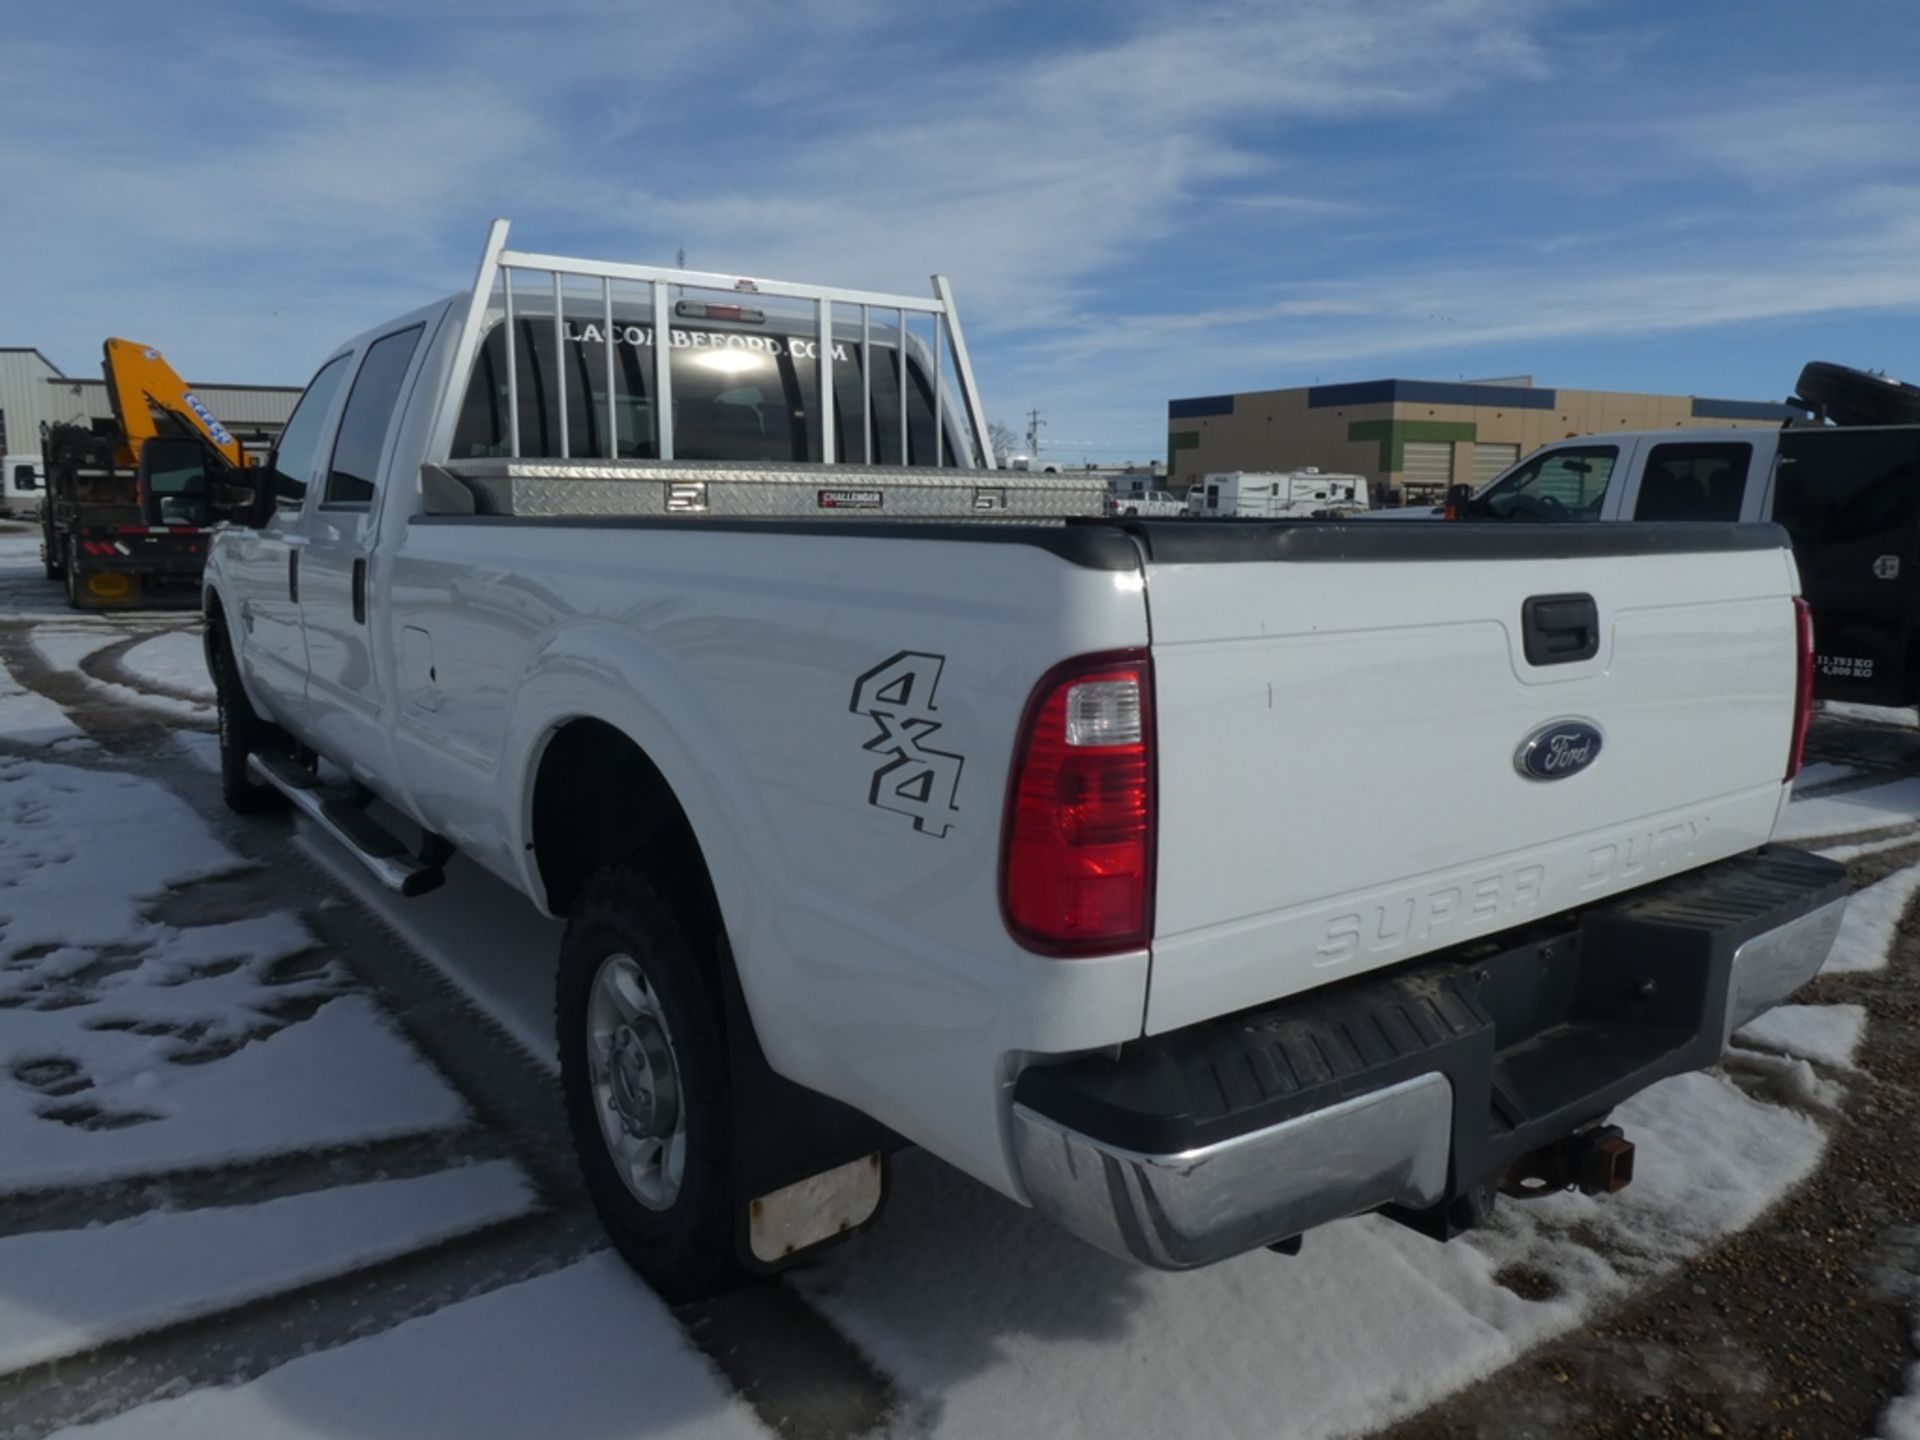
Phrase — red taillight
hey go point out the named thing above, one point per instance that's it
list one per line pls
(1076, 864)
(1802, 685)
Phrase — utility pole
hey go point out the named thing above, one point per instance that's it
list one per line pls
(1034, 422)
(680, 258)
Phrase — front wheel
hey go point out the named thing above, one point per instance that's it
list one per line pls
(643, 1068)
(242, 732)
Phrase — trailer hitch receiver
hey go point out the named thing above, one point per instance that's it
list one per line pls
(1598, 1161)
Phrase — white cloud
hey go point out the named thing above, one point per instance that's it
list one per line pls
(285, 176)
(1785, 138)
(1111, 376)
(1031, 177)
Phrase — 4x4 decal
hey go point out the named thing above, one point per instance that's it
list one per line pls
(916, 781)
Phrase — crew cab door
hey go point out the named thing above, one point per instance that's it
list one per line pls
(343, 684)
(264, 564)
(1682, 479)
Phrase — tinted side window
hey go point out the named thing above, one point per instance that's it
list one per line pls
(297, 457)
(1565, 484)
(1694, 482)
(369, 414)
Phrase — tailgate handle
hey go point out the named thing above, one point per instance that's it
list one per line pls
(1560, 629)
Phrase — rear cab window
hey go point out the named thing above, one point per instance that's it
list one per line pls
(737, 395)
(1565, 484)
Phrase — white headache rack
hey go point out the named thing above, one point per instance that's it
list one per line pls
(546, 276)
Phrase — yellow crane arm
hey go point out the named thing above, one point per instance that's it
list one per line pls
(139, 380)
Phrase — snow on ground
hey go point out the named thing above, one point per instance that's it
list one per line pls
(128, 1044)
(1873, 916)
(202, 748)
(585, 1352)
(1846, 853)
(484, 936)
(173, 661)
(943, 1293)
(65, 646)
(26, 591)
(1902, 1420)
(68, 1290)
(1882, 807)
(30, 719)
(1826, 1034)
(1823, 772)
(80, 849)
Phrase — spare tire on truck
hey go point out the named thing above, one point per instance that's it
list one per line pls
(1859, 397)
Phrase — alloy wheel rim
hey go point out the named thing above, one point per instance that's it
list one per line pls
(635, 1077)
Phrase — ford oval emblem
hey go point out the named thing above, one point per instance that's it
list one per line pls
(1558, 749)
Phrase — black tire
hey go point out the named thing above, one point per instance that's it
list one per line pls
(1859, 397)
(242, 732)
(49, 556)
(684, 1248)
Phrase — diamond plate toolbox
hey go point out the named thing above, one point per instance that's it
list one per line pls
(739, 489)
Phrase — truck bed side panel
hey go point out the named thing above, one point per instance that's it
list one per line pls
(755, 667)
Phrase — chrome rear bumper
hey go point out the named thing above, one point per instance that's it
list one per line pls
(1771, 966)
(1175, 1212)
(1428, 1083)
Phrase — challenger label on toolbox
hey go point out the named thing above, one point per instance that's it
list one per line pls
(851, 499)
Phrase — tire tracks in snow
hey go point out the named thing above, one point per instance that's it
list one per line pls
(803, 1377)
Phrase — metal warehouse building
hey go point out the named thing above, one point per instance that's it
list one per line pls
(35, 391)
(1413, 438)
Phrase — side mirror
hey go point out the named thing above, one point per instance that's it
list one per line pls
(265, 499)
(24, 478)
(1457, 498)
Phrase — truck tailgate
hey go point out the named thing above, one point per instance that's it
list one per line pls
(1339, 710)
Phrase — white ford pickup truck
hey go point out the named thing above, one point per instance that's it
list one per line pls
(1195, 885)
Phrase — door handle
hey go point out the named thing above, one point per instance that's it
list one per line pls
(1560, 629)
(360, 591)
(293, 577)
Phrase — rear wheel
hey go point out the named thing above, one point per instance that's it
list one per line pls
(643, 1067)
(50, 556)
(242, 732)
(71, 569)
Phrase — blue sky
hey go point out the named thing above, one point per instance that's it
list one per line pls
(1133, 201)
